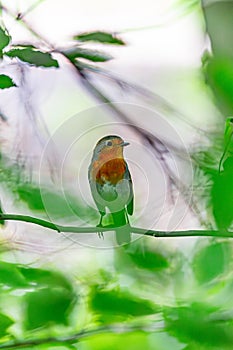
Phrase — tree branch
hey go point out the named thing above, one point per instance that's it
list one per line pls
(114, 328)
(136, 230)
(29, 9)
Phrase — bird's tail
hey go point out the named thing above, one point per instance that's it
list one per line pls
(120, 220)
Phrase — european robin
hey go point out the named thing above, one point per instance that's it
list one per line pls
(111, 184)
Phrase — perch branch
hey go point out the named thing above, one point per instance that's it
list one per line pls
(136, 230)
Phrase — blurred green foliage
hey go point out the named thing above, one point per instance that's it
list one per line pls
(218, 68)
(211, 261)
(222, 196)
(219, 72)
(219, 26)
(213, 163)
(115, 305)
(45, 297)
(41, 197)
(196, 323)
(48, 302)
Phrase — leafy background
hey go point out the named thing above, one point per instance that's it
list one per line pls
(56, 291)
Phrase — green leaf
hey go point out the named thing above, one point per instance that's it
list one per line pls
(211, 261)
(43, 198)
(197, 323)
(47, 307)
(219, 76)
(219, 25)
(34, 57)
(4, 39)
(228, 143)
(63, 208)
(45, 278)
(147, 257)
(5, 323)
(100, 37)
(114, 305)
(228, 132)
(51, 300)
(6, 82)
(10, 275)
(222, 196)
(31, 195)
(91, 55)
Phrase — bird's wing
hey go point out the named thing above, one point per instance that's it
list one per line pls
(130, 205)
(95, 190)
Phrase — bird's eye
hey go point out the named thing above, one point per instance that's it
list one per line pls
(109, 143)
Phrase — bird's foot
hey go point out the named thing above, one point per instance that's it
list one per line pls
(100, 233)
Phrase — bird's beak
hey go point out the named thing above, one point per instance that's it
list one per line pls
(123, 144)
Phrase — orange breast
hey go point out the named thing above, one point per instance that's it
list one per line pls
(112, 171)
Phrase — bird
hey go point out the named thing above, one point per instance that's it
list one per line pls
(111, 184)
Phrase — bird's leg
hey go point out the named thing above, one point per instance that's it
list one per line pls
(127, 218)
(100, 233)
(101, 219)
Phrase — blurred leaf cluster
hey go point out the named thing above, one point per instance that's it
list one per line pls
(127, 300)
(213, 161)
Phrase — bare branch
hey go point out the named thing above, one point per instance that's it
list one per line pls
(137, 230)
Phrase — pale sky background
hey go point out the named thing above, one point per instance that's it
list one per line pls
(163, 52)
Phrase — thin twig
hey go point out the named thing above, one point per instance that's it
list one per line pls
(29, 9)
(27, 26)
(147, 94)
